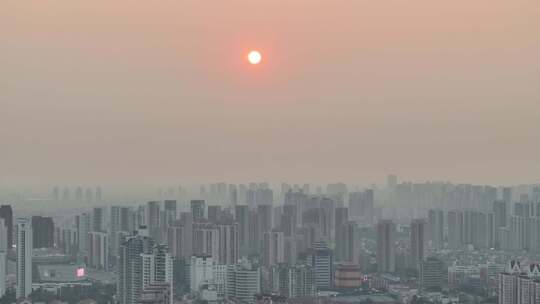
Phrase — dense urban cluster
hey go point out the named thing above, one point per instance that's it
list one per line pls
(432, 242)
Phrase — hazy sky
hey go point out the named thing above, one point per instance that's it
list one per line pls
(108, 91)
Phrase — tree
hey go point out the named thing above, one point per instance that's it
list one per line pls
(9, 297)
(42, 295)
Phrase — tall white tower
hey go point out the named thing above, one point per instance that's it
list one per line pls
(24, 257)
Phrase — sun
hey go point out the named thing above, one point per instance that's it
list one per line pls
(254, 57)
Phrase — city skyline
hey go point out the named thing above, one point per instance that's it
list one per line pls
(257, 152)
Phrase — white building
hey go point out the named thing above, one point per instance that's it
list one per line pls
(202, 271)
(24, 257)
(520, 285)
(243, 282)
(157, 267)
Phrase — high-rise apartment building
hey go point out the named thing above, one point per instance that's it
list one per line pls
(273, 248)
(82, 225)
(519, 284)
(296, 281)
(243, 282)
(3, 256)
(43, 230)
(241, 216)
(418, 243)
(386, 246)
(157, 268)
(198, 208)
(98, 219)
(436, 228)
(7, 214)
(361, 205)
(321, 258)
(206, 240)
(130, 268)
(98, 250)
(228, 243)
(201, 271)
(24, 257)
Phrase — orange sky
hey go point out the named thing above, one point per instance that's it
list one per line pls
(137, 91)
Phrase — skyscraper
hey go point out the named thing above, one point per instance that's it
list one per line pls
(214, 213)
(98, 219)
(43, 232)
(263, 224)
(321, 258)
(361, 205)
(436, 227)
(297, 281)
(171, 210)
(24, 257)
(206, 240)
(273, 248)
(83, 225)
(98, 250)
(157, 267)
(243, 282)
(152, 218)
(3, 256)
(347, 243)
(198, 209)
(7, 214)
(228, 243)
(386, 246)
(455, 229)
(120, 223)
(241, 216)
(130, 267)
(418, 228)
(202, 271)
